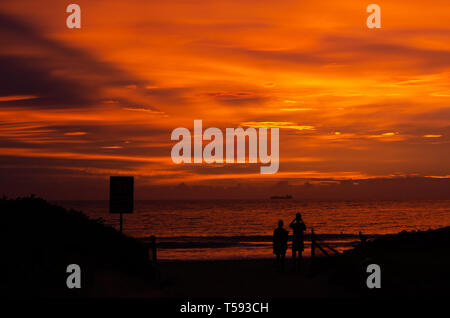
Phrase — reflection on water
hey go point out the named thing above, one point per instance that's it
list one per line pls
(240, 229)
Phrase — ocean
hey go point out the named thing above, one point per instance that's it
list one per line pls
(238, 229)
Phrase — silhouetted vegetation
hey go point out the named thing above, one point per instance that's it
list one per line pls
(39, 240)
(412, 264)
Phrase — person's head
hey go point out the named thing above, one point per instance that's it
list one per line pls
(298, 216)
(280, 223)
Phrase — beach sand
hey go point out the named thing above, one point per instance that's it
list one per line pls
(221, 278)
(244, 278)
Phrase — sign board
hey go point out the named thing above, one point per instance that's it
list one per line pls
(121, 194)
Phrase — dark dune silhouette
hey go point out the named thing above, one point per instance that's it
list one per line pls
(413, 264)
(39, 240)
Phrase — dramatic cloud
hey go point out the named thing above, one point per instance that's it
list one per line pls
(79, 105)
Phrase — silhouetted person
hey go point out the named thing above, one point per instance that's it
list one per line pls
(280, 239)
(298, 228)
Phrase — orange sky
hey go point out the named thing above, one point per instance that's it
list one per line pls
(352, 102)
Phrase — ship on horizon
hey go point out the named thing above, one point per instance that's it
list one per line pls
(278, 197)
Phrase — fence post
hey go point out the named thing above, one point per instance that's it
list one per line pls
(153, 245)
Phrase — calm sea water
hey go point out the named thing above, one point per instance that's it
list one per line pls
(191, 230)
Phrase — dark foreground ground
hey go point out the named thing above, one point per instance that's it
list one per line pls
(245, 278)
(413, 264)
(39, 240)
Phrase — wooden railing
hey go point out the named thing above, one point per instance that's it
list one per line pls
(315, 244)
(152, 249)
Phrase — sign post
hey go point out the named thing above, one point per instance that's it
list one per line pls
(121, 197)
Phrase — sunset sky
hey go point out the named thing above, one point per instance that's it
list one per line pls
(351, 102)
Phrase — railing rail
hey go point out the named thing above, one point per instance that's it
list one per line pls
(315, 244)
(153, 249)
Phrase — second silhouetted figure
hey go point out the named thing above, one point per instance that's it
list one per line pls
(298, 227)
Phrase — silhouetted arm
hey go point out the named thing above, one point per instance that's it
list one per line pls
(291, 225)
